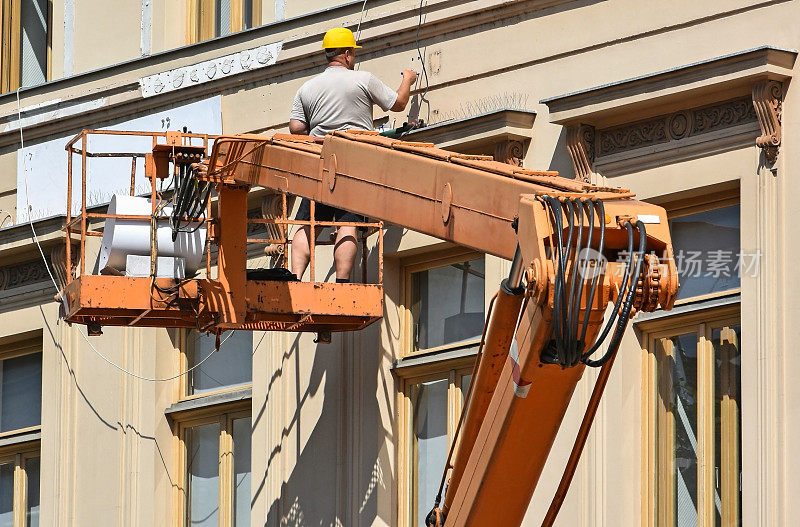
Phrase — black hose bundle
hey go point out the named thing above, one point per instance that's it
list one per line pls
(573, 259)
(189, 201)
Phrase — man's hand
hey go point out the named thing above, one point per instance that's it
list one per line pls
(410, 76)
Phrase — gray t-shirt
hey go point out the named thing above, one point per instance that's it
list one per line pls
(340, 99)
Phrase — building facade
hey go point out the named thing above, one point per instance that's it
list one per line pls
(691, 105)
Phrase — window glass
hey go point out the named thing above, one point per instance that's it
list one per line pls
(247, 12)
(684, 408)
(447, 304)
(727, 424)
(429, 415)
(231, 366)
(465, 380)
(241, 472)
(707, 252)
(32, 466)
(6, 494)
(21, 392)
(33, 48)
(203, 475)
(223, 19)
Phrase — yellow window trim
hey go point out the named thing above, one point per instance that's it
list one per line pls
(201, 17)
(226, 455)
(657, 445)
(19, 458)
(452, 371)
(10, 38)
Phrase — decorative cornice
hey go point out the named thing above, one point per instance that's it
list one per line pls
(696, 83)
(581, 148)
(673, 127)
(479, 130)
(209, 70)
(767, 102)
(19, 275)
(114, 92)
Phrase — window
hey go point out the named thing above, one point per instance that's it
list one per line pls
(216, 18)
(707, 251)
(432, 406)
(20, 424)
(691, 395)
(216, 453)
(446, 301)
(212, 426)
(230, 367)
(444, 298)
(24, 48)
(694, 400)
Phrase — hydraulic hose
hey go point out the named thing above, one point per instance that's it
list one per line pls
(572, 352)
(626, 309)
(596, 279)
(618, 302)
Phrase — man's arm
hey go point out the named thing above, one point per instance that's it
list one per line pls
(404, 91)
(298, 127)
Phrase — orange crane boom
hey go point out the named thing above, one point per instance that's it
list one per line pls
(575, 248)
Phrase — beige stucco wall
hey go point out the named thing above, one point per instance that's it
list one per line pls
(325, 433)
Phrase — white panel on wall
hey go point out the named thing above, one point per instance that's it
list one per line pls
(46, 163)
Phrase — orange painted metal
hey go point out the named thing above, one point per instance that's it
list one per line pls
(493, 479)
(231, 303)
(118, 300)
(469, 200)
(228, 301)
(388, 179)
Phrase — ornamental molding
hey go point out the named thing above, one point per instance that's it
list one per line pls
(581, 149)
(209, 70)
(767, 104)
(22, 274)
(675, 126)
(511, 152)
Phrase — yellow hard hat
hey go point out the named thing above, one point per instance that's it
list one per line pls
(339, 37)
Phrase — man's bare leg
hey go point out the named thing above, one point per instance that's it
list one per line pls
(301, 250)
(344, 252)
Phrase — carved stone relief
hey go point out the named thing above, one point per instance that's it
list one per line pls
(675, 126)
(580, 146)
(511, 152)
(767, 104)
(13, 276)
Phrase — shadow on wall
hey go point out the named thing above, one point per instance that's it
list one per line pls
(323, 487)
(560, 160)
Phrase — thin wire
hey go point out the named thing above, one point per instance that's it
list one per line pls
(421, 58)
(6, 216)
(61, 295)
(358, 29)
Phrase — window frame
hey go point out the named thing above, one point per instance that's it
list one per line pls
(22, 444)
(657, 442)
(201, 18)
(224, 415)
(425, 262)
(453, 370)
(11, 44)
(19, 454)
(13, 351)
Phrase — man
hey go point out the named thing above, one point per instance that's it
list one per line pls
(339, 98)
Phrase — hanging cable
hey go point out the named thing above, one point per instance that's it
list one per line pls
(360, 18)
(58, 290)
